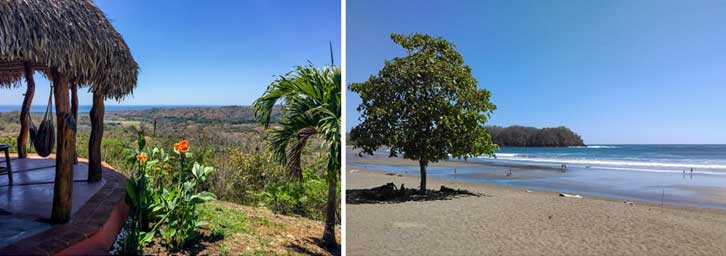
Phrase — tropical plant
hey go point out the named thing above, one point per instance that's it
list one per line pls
(165, 191)
(310, 99)
(139, 197)
(425, 106)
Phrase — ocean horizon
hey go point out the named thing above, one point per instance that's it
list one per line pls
(109, 108)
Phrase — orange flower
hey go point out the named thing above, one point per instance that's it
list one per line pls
(141, 158)
(181, 147)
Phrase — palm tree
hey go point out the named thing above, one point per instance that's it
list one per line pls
(310, 100)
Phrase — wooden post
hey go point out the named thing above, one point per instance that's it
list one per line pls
(25, 112)
(63, 185)
(74, 111)
(94, 143)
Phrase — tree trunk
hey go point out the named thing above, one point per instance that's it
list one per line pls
(422, 164)
(74, 111)
(63, 186)
(329, 233)
(25, 112)
(94, 143)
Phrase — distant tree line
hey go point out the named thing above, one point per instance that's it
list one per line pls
(522, 136)
(197, 115)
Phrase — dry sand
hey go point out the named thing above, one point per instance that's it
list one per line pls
(511, 221)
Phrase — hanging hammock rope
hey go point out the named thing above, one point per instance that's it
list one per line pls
(43, 137)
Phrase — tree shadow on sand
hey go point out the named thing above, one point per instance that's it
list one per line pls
(389, 193)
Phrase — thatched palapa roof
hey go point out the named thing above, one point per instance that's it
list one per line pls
(73, 36)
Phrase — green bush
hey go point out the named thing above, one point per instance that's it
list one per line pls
(166, 190)
(307, 198)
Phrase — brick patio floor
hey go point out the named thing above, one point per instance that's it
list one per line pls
(31, 196)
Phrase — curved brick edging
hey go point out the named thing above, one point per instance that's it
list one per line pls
(92, 229)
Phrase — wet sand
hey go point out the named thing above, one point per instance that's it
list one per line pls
(511, 221)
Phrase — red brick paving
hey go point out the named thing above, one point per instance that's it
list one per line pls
(87, 223)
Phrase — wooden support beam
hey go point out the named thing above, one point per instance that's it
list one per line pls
(63, 185)
(25, 112)
(94, 143)
(74, 112)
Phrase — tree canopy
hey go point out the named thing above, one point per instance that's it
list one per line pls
(425, 106)
(521, 136)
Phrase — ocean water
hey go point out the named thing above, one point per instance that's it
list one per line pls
(87, 108)
(690, 175)
(703, 159)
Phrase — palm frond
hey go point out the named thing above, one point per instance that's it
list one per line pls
(310, 100)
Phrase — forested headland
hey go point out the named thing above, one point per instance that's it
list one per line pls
(522, 136)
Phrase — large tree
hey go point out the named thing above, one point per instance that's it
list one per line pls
(310, 99)
(425, 106)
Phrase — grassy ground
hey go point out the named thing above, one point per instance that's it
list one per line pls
(234, 229)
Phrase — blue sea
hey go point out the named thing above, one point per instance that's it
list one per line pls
(690, 175)
(109, 107)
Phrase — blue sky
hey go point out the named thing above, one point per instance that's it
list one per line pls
(213, 52)
(613, 71)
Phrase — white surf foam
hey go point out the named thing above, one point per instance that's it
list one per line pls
(595, 146)
(610, 163)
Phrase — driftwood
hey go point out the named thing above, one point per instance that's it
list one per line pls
(390, 193)
(570, 195)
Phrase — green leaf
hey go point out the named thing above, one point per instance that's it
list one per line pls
(146, 237)
(131, 192)
(141, 141)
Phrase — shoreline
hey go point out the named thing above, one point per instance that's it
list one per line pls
(457, 184)
(696, 190)
(512, 221)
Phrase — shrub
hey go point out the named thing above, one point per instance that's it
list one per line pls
(166, 191)
(307, 198)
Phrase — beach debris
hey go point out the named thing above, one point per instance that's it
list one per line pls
(629, 203)
(390, 174)
(570, 195)
(391, 193)
(354, 170)
(527, 190)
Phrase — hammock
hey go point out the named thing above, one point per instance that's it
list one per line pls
(43, 137)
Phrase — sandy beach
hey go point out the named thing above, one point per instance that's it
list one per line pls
(512, 221)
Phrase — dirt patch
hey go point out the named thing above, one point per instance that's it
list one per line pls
(262, 232)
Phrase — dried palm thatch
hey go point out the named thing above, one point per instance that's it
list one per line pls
(72, 36)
